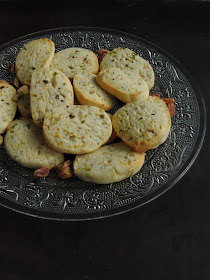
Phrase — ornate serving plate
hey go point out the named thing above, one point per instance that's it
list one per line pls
(74, 199)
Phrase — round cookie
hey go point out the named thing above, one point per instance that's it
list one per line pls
(143, 125)
(24, 106)
(127, 59)
(25, 144)
(88, 91)
(35, 55)
(8, 107)
(72, 60)
(109, 164)
(77, 129)
(50, 88)
(126, 85)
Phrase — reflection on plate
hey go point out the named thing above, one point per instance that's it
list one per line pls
(74, 199)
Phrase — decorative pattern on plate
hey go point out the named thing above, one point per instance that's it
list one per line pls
(75, 199)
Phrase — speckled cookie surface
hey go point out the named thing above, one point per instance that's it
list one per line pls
(50, 88)
(8, 107)
(72, 60)
(35, 55)
(143, 125)
(124, 84)
(25, 144)
(88, 92)
(127, 59)
(77, 129)
(108, 164)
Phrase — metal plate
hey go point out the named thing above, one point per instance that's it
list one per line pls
(74, 199)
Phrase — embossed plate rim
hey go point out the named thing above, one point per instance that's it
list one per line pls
(193, 155)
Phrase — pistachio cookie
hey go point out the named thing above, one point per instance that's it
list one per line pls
(77, 129)
(125, 58)
(109, 164)
(88, 92)
(25, 144)
(50, 88)
(8, 107)
(143, 125)
(72, 60)
(123, 84)
(37, 54)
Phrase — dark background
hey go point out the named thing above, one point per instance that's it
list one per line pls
(166, 239)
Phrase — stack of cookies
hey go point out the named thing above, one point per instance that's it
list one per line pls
(63, 103)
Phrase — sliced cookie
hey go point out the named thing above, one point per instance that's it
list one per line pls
(72, 60)
(50, 88)
(25, 144)
(34, 55)
(126, 85)
(24, 106)
(143, 125)
(127, 59)
(109, 164)
(77, 129)
(8, 107)
(88, 92)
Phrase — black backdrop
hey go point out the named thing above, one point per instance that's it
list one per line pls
(166, 239)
